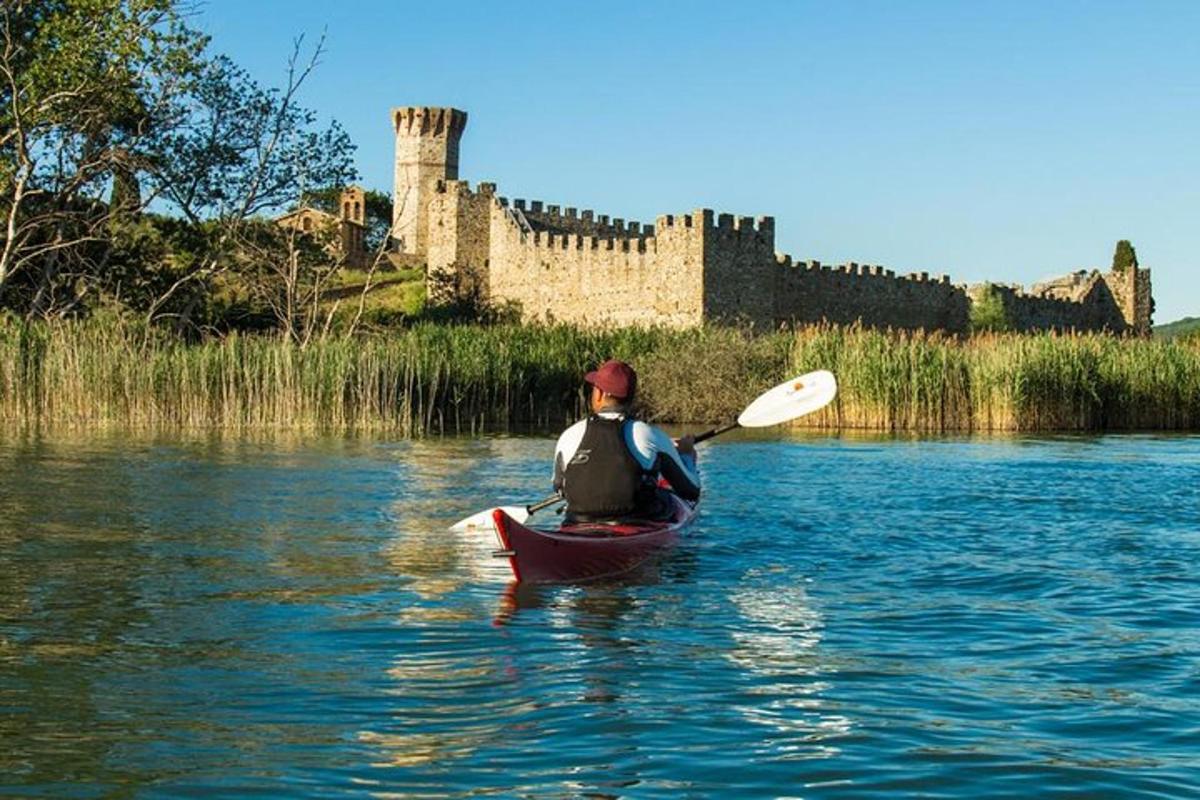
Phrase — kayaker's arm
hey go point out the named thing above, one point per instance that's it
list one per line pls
(680, 471)
(681, 482)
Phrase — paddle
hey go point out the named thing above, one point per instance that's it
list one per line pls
(789, 400)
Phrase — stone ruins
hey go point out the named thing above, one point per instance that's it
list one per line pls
(563, 264)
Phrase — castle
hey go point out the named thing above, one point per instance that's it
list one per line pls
(567, 265)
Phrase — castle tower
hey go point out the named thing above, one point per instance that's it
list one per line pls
(426, 152)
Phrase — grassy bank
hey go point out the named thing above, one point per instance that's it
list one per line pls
(432, 378)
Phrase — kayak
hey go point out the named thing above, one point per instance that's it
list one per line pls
(586, 550)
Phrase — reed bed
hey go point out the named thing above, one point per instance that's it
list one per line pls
(424, 379)
(473, 378)
(1002, 382)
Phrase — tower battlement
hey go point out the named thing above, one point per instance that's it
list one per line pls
(427, 121)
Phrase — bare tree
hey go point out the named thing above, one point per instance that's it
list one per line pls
(246, 151)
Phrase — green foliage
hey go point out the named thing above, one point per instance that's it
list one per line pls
(1124, 256)
(91, 87)
(708, 374)
(122, 94)
(1188, 326)
(247, 149)
(988, 313)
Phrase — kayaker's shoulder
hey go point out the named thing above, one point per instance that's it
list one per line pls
(646, 435)
(573, 433)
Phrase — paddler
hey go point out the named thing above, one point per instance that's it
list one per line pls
(608, 465)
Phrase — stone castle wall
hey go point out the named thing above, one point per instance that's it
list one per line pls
(590, 280)
(560, 264)
(811, 292)
(459, 240)
(1132, 292)
(570, 266)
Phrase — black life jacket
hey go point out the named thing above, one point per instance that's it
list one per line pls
(603, 480)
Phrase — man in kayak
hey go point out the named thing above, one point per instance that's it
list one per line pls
(608, 465)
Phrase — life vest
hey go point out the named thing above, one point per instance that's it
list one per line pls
(603, 479)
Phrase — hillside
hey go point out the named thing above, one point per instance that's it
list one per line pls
(1180, 327)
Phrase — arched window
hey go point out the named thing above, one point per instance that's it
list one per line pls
(357, 209)
(306, 224)
(346, 209)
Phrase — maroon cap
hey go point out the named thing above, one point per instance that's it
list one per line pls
(614, 377)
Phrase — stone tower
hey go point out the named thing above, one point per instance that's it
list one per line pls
(426, 152)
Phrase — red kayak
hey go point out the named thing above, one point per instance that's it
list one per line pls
(586, 550)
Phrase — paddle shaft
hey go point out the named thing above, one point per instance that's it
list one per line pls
(700, 437)
(546, 503)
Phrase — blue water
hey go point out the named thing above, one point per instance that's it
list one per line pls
(185, 617)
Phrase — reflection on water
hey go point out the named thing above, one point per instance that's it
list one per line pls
(778, 639)
(290, 617)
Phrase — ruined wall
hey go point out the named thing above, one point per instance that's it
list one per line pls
(1142, 306)
(588, 280)
(1029, 312)
(1132, 292)
(1112, 302)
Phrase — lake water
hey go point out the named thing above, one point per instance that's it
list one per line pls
(184, 617)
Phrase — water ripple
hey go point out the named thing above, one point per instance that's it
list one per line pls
(849, 618)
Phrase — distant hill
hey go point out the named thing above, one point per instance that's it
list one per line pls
(1180, 327)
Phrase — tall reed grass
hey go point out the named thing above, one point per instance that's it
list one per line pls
(467, 378)
(1003, 382)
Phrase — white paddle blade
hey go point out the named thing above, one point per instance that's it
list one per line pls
(795, 398)
(483, 520)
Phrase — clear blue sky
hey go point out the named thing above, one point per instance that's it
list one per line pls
(1009, 141)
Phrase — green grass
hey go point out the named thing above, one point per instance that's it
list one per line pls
(471, 378)
(357, 277)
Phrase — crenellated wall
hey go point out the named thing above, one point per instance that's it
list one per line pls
(686, 269)
(811, 292)
(585, 279)
(739, 274)
(563, 264)
(559, 219)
